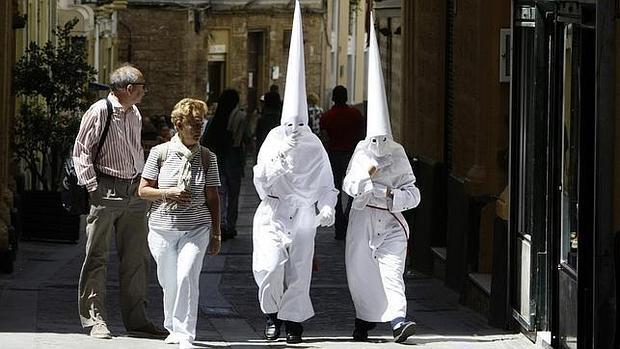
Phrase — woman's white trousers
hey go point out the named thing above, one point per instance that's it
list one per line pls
(179, 257)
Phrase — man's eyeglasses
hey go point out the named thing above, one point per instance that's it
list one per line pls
(143, 84)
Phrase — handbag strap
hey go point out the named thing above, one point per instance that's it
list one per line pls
(104, 135)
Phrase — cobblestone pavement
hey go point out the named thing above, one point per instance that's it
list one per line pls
(38, 302)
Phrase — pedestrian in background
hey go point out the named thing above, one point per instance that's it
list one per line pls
(111, 177)
(314, 114)
(342, 128)
(252, 120)
(269, 118)
(227, 135)
(382, 183)
(165, 134)
(293, 179)
(181, 179)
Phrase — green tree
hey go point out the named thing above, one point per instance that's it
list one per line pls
(53, 83)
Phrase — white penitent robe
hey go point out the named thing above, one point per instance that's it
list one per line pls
(377, 234)
(291, 189)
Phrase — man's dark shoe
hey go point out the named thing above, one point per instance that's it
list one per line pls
(360, 333)
(148, 331)
(227, 234)
(293, 332)
(224, 233)
(404, 331)
(272, 327)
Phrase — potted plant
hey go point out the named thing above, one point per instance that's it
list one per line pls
(52, 82)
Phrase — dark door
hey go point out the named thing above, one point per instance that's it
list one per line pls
(529, 174)
(256, 68)
(574, 194)
(217, 78)
(552, 170)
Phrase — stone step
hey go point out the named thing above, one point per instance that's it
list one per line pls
(439, 262)
(477, 294)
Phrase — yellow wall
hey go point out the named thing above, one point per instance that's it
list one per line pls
(42, 18)
(7, 42)
(360, 71)
(45, 15)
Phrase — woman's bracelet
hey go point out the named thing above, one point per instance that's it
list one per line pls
(218, 236)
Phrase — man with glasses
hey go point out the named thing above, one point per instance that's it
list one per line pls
(108, 159)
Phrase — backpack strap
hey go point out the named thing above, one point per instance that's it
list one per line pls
(205, 154)
(106, 128)
(163, 154)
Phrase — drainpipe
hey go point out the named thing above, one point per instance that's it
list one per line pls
(97, 48)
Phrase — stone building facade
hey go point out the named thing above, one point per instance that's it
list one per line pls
(455, 122)
(248, 47)
(456, 106)
(168, 43)
(199, 48)
(388, 25)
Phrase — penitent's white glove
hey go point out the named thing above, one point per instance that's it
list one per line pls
(288, 143)
(326, 216)
(384, 161)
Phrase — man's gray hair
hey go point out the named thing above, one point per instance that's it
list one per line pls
(123, 76)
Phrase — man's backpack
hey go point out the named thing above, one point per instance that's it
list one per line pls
(74, 197)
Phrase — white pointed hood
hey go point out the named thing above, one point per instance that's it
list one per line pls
(378, 123)
(295, 105)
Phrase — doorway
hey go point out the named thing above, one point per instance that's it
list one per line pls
(217, 80)
(553, 171)
(256, 69)
(575, 150)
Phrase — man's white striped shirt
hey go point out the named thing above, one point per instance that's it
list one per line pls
(121, 155)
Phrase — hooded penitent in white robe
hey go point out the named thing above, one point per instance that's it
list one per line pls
(285, 222)
(294, 180)
(377, 234)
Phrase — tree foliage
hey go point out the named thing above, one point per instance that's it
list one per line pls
(53, 83)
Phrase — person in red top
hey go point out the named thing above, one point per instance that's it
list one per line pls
(342, 128)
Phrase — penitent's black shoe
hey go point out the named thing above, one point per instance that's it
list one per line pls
(360, 333)
(293, 332)
(293, 338)
(403, 332)
(272, 327)
(272, 332)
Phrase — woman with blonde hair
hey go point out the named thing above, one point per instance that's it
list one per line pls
(181, 178)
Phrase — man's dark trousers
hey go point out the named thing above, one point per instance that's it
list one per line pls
(340, 161)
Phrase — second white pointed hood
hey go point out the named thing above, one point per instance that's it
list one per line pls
(295, 105)
(378, 123)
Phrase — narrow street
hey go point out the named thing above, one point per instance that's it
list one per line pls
(39, 309)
